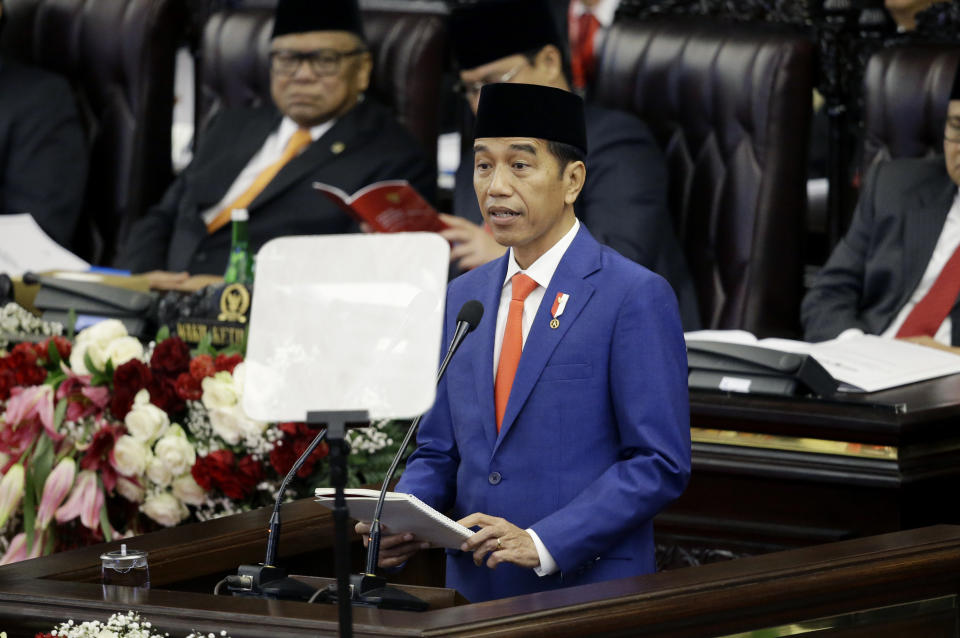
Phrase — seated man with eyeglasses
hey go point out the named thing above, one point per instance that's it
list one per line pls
(318, 129)
(624, 200)
(896, 272)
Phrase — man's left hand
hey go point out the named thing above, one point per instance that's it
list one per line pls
(501, 539)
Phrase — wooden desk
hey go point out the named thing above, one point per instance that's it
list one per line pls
(915, 572)
(771, 473)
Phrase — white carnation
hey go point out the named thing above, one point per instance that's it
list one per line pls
(219, 391)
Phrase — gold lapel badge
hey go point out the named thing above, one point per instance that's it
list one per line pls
(337, 147)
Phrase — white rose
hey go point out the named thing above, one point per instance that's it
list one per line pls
(98, 354)
(165, 508)
(158, 472)
(130, 456)
(219, 391)
(121, 350)
(129, 490)
(239, 377)
(175, 451)
(146, 421)
(102, 332)
(188, 491)
(227, 425)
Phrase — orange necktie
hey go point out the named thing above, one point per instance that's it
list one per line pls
(298, 141)
(512, 344)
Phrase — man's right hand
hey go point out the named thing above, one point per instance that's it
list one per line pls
(472, 245)
(395, 549)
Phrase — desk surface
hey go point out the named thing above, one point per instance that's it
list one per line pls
(712, 600)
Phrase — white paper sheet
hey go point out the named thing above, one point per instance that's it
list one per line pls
(25, 247)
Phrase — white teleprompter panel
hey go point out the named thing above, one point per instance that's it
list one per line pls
(346, 322)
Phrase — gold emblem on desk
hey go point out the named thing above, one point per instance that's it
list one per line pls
(234, 303)
(337, 147)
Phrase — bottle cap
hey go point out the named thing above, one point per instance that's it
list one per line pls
(239, 215)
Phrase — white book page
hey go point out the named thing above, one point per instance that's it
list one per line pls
(727, 336)
(25, 247)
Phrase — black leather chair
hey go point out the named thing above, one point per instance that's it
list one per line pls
(119, 57)
(906, 89)
(408, 40)
(730, 106)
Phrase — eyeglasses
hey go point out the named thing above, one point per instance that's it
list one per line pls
(321, 61)
(470, 90)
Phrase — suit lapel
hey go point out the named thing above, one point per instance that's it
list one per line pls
(581, 259)
(212, 183)
(921, 230)
(342, 137)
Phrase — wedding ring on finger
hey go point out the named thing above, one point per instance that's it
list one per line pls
(499, 544)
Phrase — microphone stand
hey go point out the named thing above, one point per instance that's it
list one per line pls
(368, 587)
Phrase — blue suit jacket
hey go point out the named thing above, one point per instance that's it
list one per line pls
(595, 439)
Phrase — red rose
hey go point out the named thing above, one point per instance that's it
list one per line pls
(201, 367)
(227, 362)
(7, 380)
(23, 354)
(201, 474)
(188, 387)
(283, 456)
(131, 377)
(250, 472)
(171, 356)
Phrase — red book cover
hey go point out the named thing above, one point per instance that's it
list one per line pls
(387, 207)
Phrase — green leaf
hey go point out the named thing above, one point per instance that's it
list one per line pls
(41, 465)
(204, 346)
(163, 333)
(71, 324)
(55, 378)
(104, 519)
(59, 413)
(88, 362)
(53, 355)
(29, 508)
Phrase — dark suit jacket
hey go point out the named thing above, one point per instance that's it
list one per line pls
(878, 264)
(364, 146)
(595, 439)
(43, 154)
(623, 202)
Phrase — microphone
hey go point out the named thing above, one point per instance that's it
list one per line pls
(467, 320)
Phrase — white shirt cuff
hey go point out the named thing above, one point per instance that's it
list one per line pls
(547, 564)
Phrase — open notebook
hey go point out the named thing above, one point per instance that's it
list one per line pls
(401, 513)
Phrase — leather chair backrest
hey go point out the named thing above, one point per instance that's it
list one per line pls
(906, 90)
(119, 58)
(730, 106)
(408, 40)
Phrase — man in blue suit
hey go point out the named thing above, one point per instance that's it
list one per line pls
(563, 456)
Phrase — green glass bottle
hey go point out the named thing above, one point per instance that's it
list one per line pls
(240, 264)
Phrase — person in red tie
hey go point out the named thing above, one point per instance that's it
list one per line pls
(586, 21)
(896, 272)
(562, 425)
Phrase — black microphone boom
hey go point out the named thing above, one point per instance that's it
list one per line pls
(467, 320)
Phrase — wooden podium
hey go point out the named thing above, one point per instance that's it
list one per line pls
(898, 584)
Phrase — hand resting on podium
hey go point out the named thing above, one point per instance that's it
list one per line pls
(498, 541)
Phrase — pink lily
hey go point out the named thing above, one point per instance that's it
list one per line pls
(32, 404)
(18, 549)
(82, 399)
(55, 489)
(11, 491)
(85, 501)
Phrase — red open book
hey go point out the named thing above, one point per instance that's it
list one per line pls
(388, 207)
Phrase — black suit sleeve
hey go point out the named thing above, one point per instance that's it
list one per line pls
(46, 168)
(147, 243)
(832, 303)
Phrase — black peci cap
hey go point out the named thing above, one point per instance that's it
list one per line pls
(301, 16)
(489, 30)
(531, 110)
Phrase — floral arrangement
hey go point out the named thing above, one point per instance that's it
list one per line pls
(102, 438)
(121, 625)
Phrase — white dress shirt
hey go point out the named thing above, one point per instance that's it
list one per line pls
(603, 10)
(271, 151)
(946, 245)
(541, 271)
